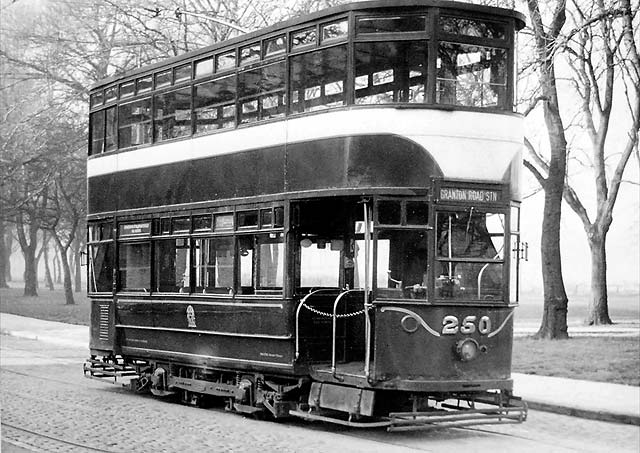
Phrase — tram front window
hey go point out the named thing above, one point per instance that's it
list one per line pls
(402, 264)
(470, 255)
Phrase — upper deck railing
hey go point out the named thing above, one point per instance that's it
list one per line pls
(401, 53)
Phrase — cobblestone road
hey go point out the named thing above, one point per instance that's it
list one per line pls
(48, 406)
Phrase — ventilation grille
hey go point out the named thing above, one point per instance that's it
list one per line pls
(104, 322)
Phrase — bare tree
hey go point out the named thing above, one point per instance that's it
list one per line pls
(554, 319)
(601, 59)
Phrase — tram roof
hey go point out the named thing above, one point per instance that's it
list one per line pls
(333, 11)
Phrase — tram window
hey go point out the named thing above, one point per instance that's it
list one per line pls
(279, 216)
(275, 46)
(204, 67)
(134, 267)
(390, 72)
(223, 222)
(111, 94)
(266, 218)
(261, 92)
(395, 24)
(402, 264)
(101, 260)
(110, 129)
(390, 213)
(144, 84)
(417, 213)
(134, 123)
(127, 89)
(319, 263)
(172, 114)
(472, 76)
(226, 60)
(214, 258)
(164, 79)
(317, 79)
(334, 30)
(475, 236)
(303, 38)
(270, 261)
(96, 99)
(249, 54)
(248, 219)
(245, 250)
(180, 224)
(97, 132)
(214, 104)
(182, 73)
(472, 27)
(202, 222)
(171, 265)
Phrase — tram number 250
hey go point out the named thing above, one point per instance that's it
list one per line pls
(451, 325)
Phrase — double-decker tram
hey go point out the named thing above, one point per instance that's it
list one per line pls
(318, 220)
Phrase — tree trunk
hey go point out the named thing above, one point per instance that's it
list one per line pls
(598, 303)
(9, 249)
(4, 256)
(56, 269)
(30, 274)
(77, 261)
(66, 271)
(47, 269)
(554, 317)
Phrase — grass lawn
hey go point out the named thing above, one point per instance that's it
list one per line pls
(604, 359)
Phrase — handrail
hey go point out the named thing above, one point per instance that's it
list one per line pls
(300, 305)
(482, 272)
(335, 324)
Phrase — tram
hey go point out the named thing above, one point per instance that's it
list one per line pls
(318, 220)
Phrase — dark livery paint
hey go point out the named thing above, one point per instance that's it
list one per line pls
(352, 162)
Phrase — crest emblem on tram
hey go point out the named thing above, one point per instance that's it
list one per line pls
(191, 317)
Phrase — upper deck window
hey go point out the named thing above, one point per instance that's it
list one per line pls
(389, 72)
(172, 114)
(204, 67)
(471, 76)
(334, 30)
(261, 92)
(303, 38)
(164, 78)
(226, 60)
(97, 132)
(214, 104)
(391, 24)
(96, 99)
(144, 84)
(111, 94)
(127, 89)
(318, 79)
(134, 123)
(472, 27)
(183, 73)
(249, 54)
(275, 46)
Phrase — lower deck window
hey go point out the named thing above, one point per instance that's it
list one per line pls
(101, 261)
(214, 258)
(134, 267)
(171, 265)
(402, 264)
(261, 261)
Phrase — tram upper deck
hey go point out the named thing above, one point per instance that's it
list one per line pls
(378, 94)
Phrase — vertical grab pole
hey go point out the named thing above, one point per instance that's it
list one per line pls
(367, 261)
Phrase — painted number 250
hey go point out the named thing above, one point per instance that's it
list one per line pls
(451, 325)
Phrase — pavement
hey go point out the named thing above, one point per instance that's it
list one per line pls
(594, 400)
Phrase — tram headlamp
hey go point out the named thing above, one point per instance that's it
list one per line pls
(467, 349)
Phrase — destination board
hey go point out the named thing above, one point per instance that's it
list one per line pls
(469, 195)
